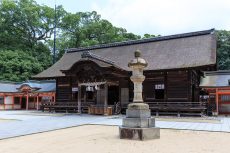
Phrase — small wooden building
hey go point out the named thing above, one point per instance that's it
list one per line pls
(216, 91)
(26, 95)
(98, 76)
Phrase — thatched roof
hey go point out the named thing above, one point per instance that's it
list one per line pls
(187, 50)
(213, 79)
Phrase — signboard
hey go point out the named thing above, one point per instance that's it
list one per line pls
(74, 89)
(159, 86)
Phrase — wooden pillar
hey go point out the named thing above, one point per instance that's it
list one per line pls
(217, 102)
(85, 95)
(165, 86)
(34, 101)
(20, 102)
(54, 95)
(37, 101)
(79, 100)
(106, 99)
(13, 102)
(4, 102)
(27, 101)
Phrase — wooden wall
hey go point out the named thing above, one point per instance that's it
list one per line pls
(64, 89)
(179, 85)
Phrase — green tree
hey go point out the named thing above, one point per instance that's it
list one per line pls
(149, 36)
(26, 28)
(18, 65)
(25, 25)
(87, 28)
(223, 50)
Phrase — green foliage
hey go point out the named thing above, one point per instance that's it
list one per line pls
(149, 36)
(223, 50)
(18, 65)
(26, 30)
(86, 29)
(26, 41)
(24, 23)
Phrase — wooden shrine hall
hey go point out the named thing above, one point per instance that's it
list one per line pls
(26, 95)
(216, 91)
(96, 79)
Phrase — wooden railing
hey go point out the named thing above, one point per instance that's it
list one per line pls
(177, 108)
(65, 106)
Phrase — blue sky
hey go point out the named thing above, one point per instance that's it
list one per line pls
(162, 17)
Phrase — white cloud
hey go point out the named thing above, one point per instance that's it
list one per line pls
(166, 16)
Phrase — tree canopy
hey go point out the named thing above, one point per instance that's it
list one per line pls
(26, 32)
(18, 65)
(27, 28)
(223, 50)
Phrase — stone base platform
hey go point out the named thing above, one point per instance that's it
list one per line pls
(139, 133)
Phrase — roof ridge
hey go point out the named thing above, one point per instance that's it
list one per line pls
(139, 41)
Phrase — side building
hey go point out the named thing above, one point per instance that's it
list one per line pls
(216, 91)
(26, 95)
(98, 76)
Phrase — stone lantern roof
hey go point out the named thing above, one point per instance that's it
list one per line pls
(137, 61)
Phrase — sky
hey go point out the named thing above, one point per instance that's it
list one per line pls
(163, 17)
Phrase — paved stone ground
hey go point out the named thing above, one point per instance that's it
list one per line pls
(29, 122)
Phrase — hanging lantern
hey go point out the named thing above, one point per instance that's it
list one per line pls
(97, 87)
(88, 88)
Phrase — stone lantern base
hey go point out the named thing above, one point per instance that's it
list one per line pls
(138, 123)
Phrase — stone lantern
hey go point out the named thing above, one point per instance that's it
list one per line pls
(138, 123)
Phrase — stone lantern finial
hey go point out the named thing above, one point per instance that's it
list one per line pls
(137, 53)
(137, 62)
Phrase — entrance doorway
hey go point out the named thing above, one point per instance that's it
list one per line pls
(113, 95)
(23, 104)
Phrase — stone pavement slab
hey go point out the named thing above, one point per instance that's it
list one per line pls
(29, 122)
